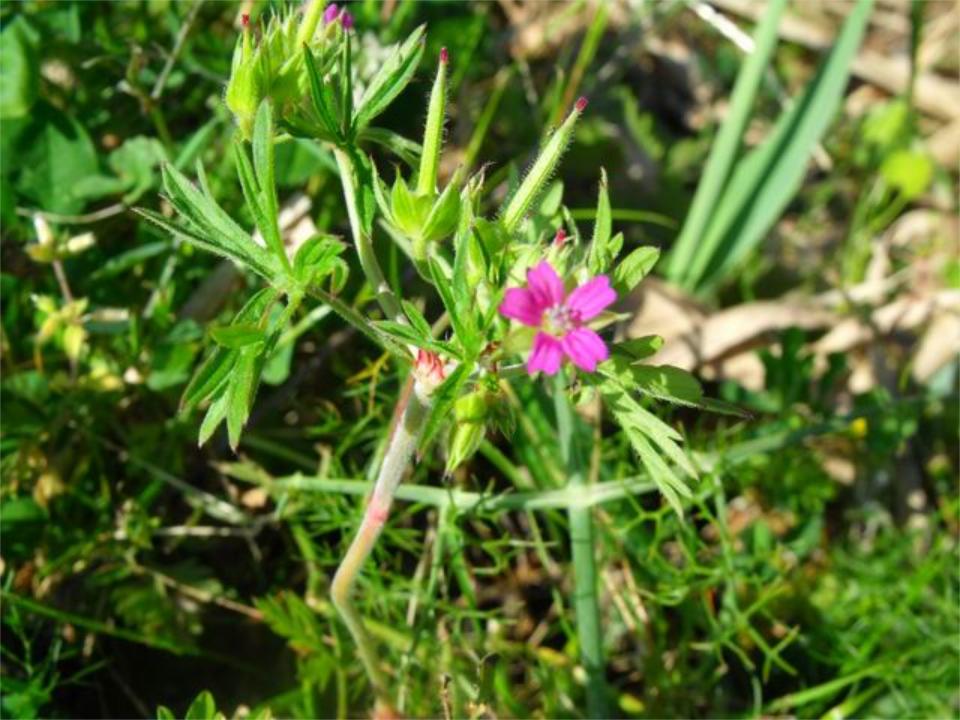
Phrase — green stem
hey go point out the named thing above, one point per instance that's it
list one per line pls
(362, 240)
(584, 563)
(400, 451)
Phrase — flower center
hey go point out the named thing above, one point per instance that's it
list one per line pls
(559, 320)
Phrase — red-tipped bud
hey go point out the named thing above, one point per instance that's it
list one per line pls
(245, 20)
(560, 238)
(444, 56)
(346, 20)
(581, 104)
(428, 371)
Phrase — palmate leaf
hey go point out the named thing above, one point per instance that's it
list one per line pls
(205, 224)
(323, 99)
(650, 437)
(229, 376)
(390, 80)
(317, 258)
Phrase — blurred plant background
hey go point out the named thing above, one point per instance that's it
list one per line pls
(799, 173)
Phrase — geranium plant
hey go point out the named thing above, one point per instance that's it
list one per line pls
(518, 303)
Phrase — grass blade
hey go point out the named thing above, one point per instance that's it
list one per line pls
(725, 147)
(768, 177)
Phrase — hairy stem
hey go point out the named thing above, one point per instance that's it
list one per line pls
(400, 450)
(361, 238)
(584, 563)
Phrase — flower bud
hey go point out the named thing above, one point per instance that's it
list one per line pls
(331, 14)
(433, 133)
(428, 372)
(541, 171)
(275, 67)
(471, 407)
(464, 442)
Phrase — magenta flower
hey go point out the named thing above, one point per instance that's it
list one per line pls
(560, 318)
(346, 19)
(331, 13)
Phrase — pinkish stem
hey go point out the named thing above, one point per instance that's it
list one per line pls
(400, 450)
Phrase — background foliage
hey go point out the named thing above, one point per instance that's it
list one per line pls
(815, 571)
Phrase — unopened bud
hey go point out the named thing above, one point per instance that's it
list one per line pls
(581, 104)
(541, 171)
(433, 132)
(428, 371)
(245, 21)
(331, 13)
(464, 442)
(560, 238)
(346, 20)
(471, 408)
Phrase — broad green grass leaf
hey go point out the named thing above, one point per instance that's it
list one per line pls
(725, 148)
(766, 180)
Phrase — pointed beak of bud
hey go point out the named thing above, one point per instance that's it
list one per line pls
(560, 238)
(581, 104)
(444, 56)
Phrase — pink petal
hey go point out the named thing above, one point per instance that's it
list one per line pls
(545, 284)
(520, 304)
(592, 298)
(585, 348)
(546, 356)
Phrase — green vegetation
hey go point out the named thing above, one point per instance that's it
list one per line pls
(751, 509)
